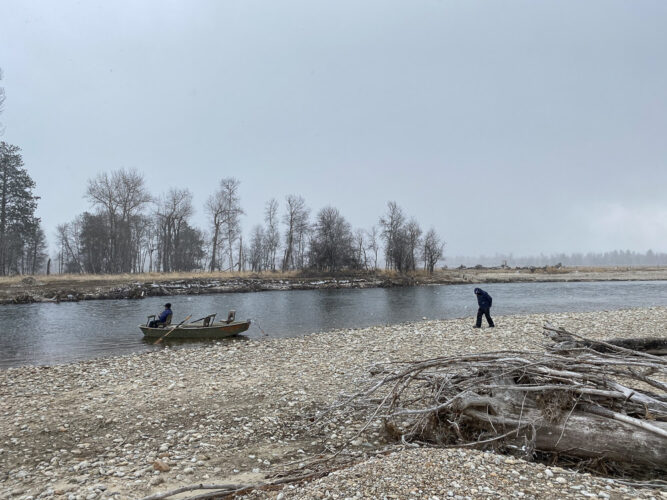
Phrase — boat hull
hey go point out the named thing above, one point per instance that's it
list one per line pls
(214, 331)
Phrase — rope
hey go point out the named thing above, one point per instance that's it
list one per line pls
(260, 328)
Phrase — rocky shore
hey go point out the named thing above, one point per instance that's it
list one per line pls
(72, 288)
(31, 290)
(241, 411)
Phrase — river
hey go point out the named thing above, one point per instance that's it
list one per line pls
(46, 334)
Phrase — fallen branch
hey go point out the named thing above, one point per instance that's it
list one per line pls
(651, 346)
(221, 490)
(582, 403)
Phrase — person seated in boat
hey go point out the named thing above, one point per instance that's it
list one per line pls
(164, 318)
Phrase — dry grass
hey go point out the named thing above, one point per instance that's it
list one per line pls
(420, 274)
(128, 277)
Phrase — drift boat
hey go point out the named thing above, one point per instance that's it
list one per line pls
(204, 328)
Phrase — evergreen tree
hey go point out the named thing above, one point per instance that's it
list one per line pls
(22, 241)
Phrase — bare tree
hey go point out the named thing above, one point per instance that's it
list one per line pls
(173, 211)
(402, 239)
(360, 248)
(332, 245)
(92, 233)
(257, 250)
(373, 245)
(224, 210)
(214, 208)
(120, 196)
(68, 238)
(432, 251)
(272, 234)
(34, 254)
(413, 240)
(296, 220)
(393, 229)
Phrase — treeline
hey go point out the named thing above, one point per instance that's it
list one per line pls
(602, 259)
(127, 230)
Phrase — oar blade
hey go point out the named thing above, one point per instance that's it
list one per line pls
(162, 338)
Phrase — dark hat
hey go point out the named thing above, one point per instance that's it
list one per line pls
(477, 290)
(167, 305)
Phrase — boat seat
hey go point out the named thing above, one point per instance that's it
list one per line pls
(231, 316)
(209, 319)
(152, 322)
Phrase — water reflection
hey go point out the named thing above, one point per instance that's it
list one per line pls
(55, 333)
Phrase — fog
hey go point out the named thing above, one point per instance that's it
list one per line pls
(512, 128)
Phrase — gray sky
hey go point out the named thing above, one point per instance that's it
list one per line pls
(514, 126)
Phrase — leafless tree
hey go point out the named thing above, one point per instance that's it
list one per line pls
(296, 220)
(332, 245)
(92, 233)
(413, 240)
(243, 251)
(257, 251)
(69, 240)
(224, 210)
(393, 233)
(373, 246)
(120, 196)
(360, 248)
(432, 251)
(402, 239)
(272, 234)
(173, 211)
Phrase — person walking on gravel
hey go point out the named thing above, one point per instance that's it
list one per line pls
(484, 301)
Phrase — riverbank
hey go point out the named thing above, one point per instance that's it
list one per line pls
(71, 288)
(237, 412)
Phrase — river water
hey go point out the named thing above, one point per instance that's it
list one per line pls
(44, 334)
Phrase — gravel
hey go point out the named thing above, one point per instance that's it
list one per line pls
(238, 411)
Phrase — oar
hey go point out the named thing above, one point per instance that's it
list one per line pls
(162, 338)
(199, 319)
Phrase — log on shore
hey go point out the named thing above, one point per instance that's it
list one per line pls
(611, 407)
(567, 341)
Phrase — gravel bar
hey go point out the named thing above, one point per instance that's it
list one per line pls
(238, 411)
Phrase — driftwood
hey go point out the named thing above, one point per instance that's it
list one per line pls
(228, 490)
(567, 341)
(581, 400)
(604, 407)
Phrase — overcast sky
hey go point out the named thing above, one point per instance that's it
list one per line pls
(514, 126)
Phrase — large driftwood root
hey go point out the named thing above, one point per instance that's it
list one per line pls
(608, 407)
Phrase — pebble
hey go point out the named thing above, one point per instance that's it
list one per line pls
(165, 410)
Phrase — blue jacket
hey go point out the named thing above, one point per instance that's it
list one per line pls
(483, 299)
(163, 315)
